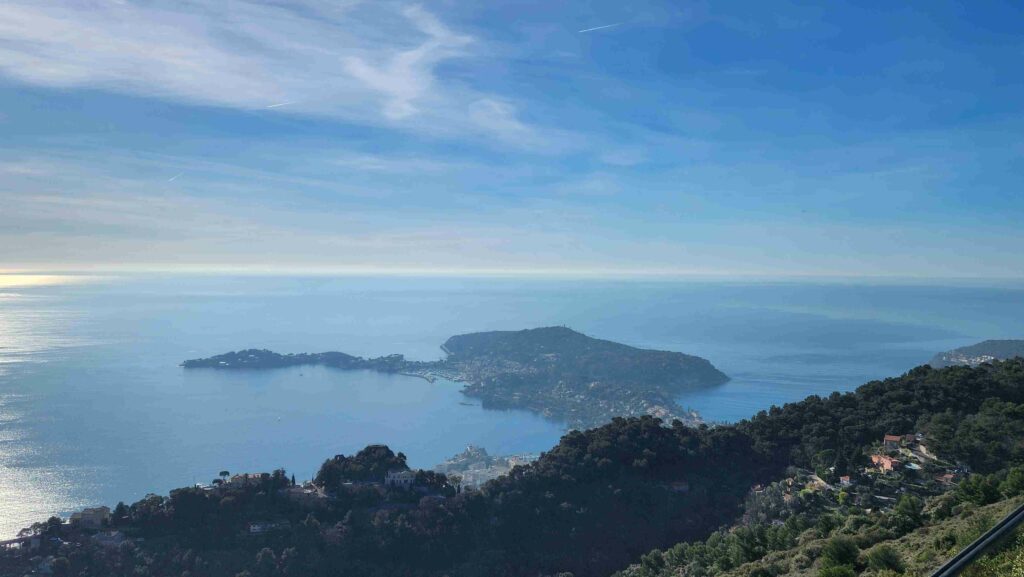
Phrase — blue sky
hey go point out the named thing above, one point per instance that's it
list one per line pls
(726, 138)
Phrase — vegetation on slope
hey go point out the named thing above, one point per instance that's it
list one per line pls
(972, 416)
(593, 504)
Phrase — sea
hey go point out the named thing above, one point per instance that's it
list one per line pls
(95, 409)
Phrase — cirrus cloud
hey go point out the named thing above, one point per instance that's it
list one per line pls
(367, 63)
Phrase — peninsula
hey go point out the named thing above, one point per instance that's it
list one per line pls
(983, 352)
(553, 371)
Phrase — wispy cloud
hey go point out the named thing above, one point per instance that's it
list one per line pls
(394, 164)
(62, 211)
(600, 27)
(404, 77)
(368, 63)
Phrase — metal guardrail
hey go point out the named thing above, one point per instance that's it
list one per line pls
(982, 544)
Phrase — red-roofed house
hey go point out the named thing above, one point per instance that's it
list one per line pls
(885, 463)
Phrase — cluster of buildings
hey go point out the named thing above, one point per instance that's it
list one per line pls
(898, 452)
(475, 466)
(895, 456)
(908, 452)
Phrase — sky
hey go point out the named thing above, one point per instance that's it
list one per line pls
(880, 139)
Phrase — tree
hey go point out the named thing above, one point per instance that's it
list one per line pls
(53, 526)
(840, 571)
(907, 515)
(224, 475)
(290, 562)
(653, 562)
(910, 506)
(369, 464)
(61, 567)
(1013, 485)
(978, 489)
(266, 563)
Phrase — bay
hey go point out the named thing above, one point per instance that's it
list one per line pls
(94, 408)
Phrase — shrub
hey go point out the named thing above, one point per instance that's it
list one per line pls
(1013, 484)
(885, 557)
(840, 550)
(840, 571)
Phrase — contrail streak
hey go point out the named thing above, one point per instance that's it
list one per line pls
(175, 177)
(279, 104)
(600, 27)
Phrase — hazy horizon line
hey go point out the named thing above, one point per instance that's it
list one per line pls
(605, 273)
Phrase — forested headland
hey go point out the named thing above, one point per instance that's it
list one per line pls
(553, 371)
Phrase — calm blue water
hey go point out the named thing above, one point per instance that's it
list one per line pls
(94, 409)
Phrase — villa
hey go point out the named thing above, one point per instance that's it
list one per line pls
(244, 480)
(91, 518)
(402, 479)
(885, 463)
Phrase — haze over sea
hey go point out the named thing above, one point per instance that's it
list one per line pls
(94, 408)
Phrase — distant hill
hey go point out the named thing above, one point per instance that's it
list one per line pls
(554, 371)
(983, 352)
(567, 354)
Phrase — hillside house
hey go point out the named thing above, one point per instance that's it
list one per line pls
(91, 518)
(680, 487)
(305, 495)
(894, 442)
(109, 539)
(401, 479)
(885, 463)
(261, 527)
(243, 480)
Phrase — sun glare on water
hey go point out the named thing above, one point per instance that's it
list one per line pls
(18, 280)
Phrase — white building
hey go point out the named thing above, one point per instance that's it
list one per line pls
(244, 480)
(110, 539)
(92, 518)
(402, 479)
